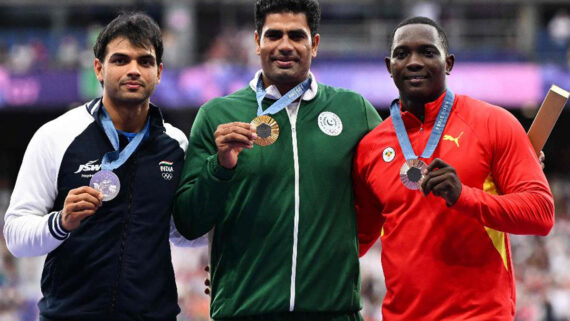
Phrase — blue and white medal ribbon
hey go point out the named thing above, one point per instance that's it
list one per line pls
(105, 181)
(266, 127)
(410, 173)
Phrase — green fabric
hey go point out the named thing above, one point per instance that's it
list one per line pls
(252, 207)
(300, 316)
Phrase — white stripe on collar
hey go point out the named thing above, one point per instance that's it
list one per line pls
(273, 92)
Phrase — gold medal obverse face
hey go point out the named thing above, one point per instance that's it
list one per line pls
(266, 129)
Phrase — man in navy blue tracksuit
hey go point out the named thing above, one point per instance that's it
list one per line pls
(106, 259)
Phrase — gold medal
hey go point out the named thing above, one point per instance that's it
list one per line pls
(266, 129)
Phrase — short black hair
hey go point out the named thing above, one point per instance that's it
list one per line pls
(310, 8)
(141, 30)
(425, 21)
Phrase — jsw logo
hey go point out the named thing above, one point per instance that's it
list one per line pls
(89, 167)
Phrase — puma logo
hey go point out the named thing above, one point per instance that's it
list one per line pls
(453, 139)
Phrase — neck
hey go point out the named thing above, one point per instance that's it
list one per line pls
(415, 107)
(282, 87)
(128, 118)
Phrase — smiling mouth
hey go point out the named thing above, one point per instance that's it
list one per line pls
(133, 85)
(415, 78)
(283, 62)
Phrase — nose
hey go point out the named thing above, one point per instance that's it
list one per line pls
(133, 69)
(414, 62)
(285, 45)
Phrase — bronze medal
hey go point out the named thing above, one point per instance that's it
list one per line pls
(411, 173)
(266, 129)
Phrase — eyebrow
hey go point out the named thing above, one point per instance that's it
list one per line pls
(122, 55)
(279, 31)
(430, 46)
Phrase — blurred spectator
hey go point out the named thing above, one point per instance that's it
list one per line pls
(41, 54)
(231, 46)
(68, 53)
(3, 53)
(559, 28)
(429, 9)
(21, 58)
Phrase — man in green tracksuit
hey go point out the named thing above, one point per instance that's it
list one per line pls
(284, 245)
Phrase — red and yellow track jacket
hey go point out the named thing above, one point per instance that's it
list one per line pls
(451, 263)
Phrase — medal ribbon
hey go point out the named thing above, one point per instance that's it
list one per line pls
(284, 101)
(115, 159)
(436, 132)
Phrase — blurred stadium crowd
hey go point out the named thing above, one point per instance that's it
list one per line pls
(36, 37)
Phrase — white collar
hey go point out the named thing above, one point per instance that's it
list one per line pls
(273, 92)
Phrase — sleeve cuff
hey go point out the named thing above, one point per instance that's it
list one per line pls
(56, 227)
(466, 201)
(217, 170)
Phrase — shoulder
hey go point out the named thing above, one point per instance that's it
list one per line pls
(376, 140)
(177, 135)
(477, 110)
(337, 92)
(67, 126)
(243, 96)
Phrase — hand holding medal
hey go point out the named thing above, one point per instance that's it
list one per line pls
(231, 139)
(79, 203)
(413, 171)
(441, 179)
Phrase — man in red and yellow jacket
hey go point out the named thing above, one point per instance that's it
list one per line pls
(444, 216)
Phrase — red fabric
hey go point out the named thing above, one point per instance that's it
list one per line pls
(439, 262)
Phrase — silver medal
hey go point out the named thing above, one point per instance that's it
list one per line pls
(107, 183)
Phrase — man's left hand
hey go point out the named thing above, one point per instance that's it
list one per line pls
(541, 159)
(441, 180)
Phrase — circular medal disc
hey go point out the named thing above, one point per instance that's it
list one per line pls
(107, 183)
(267, 130)
(411, 173)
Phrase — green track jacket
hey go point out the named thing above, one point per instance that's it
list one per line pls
(284, 222)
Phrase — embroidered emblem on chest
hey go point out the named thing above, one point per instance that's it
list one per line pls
(388, 154)
(330, 123)
(453, 139)
(166, 170)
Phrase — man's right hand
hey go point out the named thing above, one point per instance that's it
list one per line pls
(231, 139)
(80, 203)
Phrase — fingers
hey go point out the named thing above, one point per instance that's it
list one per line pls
(231, 139)
(207, 284)
(437, 184)
(81, 215)
(236, 134)
(207, 281)
(435, 164)
(441, 179)
(76, 206)
(86, 190)
(80, 203)
(541, 159)
(84, 197)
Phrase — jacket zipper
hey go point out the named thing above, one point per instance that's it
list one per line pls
(293, 121)
(124, 238)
